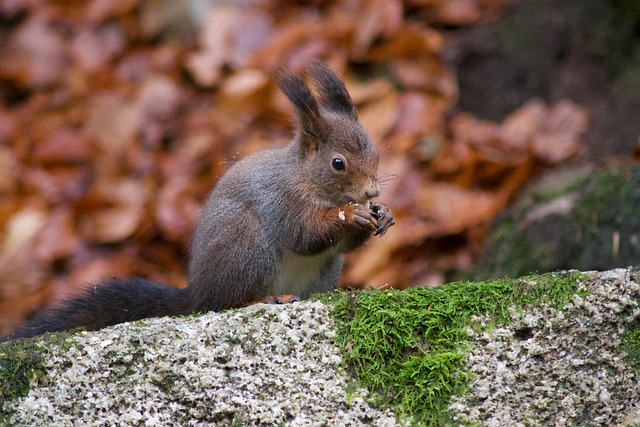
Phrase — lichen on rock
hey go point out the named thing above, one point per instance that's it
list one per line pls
(566, 370)
(555, 349)
(265, 365)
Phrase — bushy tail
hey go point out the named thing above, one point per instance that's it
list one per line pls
(108, 303)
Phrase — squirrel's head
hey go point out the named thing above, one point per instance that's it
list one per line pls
(337, 158)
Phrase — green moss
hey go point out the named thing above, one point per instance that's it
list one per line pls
(22, 366)
(631, 345)
(21, 363)
(631, 339)
(409, 347)
(193, 315)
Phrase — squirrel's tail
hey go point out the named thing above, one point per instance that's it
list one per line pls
(108, 303)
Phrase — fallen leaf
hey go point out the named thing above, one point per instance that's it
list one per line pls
(410, 41)
(113, 121)
(560, 137)
(101, 10)
(178, 210)
(419, 115)
(22, 229)
(450, 209)
(39, 54)
(455, 12)
(58, 237)
(376, 18)
(519, 127)
(117, 210)
(379, 117)
(65, 146)
(230, 37)
(93, 49)
(427, 74)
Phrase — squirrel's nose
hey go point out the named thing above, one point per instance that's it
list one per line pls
(373, 190)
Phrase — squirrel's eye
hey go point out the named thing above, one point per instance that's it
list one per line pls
(338, 164)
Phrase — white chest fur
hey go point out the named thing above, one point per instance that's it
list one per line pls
(301, 275)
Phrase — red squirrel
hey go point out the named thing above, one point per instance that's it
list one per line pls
(277, 222)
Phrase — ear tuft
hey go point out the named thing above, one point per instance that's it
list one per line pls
(332, 91)
(306, 105)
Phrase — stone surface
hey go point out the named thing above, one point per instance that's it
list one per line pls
(560, 368)
(266, 365)
(279, 365)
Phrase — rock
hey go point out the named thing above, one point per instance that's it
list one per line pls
(573, 218)
(265, 365)
(549, 361)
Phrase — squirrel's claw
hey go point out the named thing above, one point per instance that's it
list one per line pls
(383, 216)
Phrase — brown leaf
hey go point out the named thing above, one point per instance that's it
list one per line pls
(559, 138)
(7, 171)
(554, 147)
(177, 211)
(456, 12)
(552, 133)
(118, 210)
(379, 117)
(375, 18)
(38, 53)
(566, 116)
(419, 115)
(245, 91)
(364, 92)
(427, 74)
(22, 287)
(113, 121)
(65, 146)
(374, 257)
(94, 48)
(451, 210)
(22, 229)
(56, 185)
(467, 127)
(101, 10)
(411, 40)
(284, 40)
(230, 36)
(58, 237)
(519, 127)
(158, 98)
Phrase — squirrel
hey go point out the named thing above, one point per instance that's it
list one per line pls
(276, 223)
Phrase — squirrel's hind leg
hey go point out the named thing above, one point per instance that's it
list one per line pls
(232, 268)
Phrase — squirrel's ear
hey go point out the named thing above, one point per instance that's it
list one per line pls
(300, 95)
(332, 91)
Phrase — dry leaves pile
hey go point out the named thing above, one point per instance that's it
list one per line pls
(115, 123)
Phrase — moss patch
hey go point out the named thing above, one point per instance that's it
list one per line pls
(631, 340)
(21, 364)
(409, 348)
(631, 345)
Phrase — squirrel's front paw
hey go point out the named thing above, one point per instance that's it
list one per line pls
(383, 216)
(359, 216)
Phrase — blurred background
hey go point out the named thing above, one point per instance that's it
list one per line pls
(118, 116)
